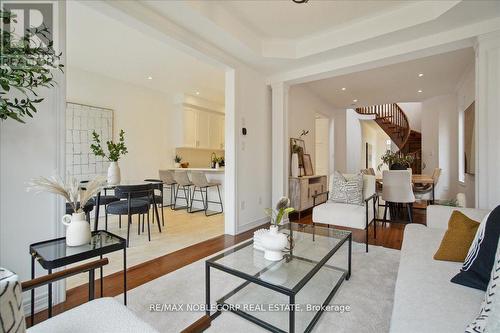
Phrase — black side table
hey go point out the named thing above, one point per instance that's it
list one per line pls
(54, 253)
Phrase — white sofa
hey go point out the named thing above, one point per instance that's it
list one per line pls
(425, 300)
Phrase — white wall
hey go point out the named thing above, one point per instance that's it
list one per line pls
(339, 141)
(27, 151)
(322, 146)
(253, 151)
(302, 109)
(413, 111)
(440, 142)
(373, 134)
(465, 96)
(143, 114)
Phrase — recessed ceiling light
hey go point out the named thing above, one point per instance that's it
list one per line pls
(354, 100)
(197, 93)
(421, 74)
(420, 90)
(150, 77)
(343, 89)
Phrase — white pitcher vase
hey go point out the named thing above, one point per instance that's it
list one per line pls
(113, 173)
(77, 229)
(274, 243)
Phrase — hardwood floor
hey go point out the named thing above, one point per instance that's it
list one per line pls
(390, 235)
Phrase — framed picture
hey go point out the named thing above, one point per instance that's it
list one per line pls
(308, 167)
(301, 146)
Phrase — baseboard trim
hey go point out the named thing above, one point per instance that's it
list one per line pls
(253, 224)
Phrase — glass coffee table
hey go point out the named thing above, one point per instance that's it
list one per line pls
(288, 295)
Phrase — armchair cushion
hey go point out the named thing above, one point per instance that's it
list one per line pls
(347, 189)
(341, 214)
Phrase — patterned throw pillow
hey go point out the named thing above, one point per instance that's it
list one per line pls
(475, 272)
(488, 319)
(11, 303)
(347, 190)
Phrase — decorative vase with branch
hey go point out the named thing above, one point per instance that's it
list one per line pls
(26, 66)
(115, 151)
(275, 242)
(78, 229)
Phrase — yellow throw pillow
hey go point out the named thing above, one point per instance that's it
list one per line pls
(457, 239)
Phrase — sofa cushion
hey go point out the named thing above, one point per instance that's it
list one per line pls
(457, 239)
(425, 299)
(347, 189)
(476, 270)
(100, 315)
(341, 214)
(488, 319)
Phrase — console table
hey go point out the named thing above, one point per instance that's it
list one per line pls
(302, 189)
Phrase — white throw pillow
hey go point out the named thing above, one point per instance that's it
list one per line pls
(347, 190)
(488, 320)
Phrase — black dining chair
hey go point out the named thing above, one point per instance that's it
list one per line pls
(104, 200)
(158, 197)
(133, 204)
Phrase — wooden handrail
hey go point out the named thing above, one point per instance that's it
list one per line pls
(396, 117)
(53, 277)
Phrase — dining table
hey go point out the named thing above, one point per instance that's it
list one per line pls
(416, 179)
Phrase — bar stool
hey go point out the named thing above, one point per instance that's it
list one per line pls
(200, 182)
(167, 177)
(182, 180)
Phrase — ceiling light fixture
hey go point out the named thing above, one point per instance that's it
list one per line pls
(197, 93)
(300, 1)
(150, 77)
(343, 89)
(419, 90)
(354, 100)
(421, 74)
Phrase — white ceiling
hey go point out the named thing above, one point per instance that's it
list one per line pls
(396, 83)
(104, 45)
(284, 39)
(286, 19)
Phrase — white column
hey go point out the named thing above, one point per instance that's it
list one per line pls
(487, 121)
(280, 140)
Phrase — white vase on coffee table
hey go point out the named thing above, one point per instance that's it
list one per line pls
(274, 242)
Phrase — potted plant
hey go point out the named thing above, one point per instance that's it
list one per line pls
(273, 241)
(78, 229)
(115, 151)
(27, 66)
(396, 161)
(177, 161)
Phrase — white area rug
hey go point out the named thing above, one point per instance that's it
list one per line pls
(369, 293)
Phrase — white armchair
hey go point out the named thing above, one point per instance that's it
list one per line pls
(348, 215)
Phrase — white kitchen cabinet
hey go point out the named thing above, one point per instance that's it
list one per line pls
(203, 129)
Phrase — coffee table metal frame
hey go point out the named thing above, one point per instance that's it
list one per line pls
(291, 293)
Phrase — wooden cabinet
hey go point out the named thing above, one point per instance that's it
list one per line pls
(302, 189)
(203, 129)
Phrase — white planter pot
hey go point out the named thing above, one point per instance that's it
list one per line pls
(274, 243)
(77, 229)
(113, 173)
(177, 165)
(295, 165)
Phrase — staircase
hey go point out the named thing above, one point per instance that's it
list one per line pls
(395, 124)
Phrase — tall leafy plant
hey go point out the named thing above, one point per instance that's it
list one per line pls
(26, 65)
(115, 150)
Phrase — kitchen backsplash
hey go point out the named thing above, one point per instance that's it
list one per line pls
(197, 157)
